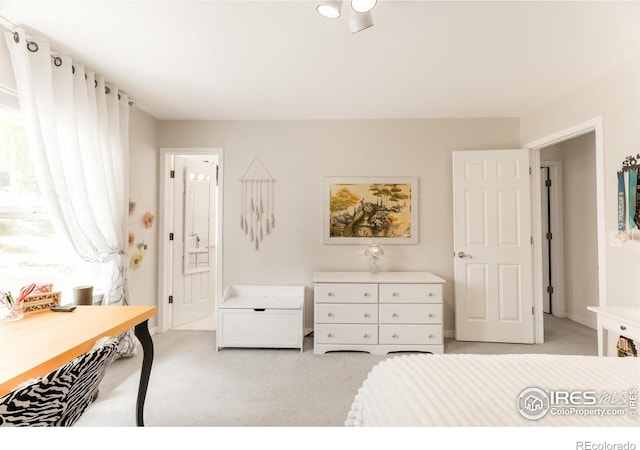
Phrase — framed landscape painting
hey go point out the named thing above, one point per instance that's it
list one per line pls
(360, 210)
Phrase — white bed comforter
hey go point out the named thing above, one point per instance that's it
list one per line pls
(483, 390)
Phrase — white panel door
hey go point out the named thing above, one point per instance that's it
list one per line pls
(193, 291)
(492, 246)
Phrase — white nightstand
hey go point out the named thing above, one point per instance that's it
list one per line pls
(622, 320)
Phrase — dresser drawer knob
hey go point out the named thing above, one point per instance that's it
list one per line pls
(366, 294)
(329, 314)
(394, 336)
(430, 335)
(366, 335)
(329, 335)
(430, 294)
(367, 315)
(329, 294)
(395, 294)
(430, 315)
(622, 327)
(394, 315)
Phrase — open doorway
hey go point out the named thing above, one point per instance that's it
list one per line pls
(577, 224)
(570, 230)
(190, 229)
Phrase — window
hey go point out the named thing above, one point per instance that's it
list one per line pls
(31, 251)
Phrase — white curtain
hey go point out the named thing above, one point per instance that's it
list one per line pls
(77, 132)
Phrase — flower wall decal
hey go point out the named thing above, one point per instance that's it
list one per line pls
(135, 261)
(137, 255)
(148, 219)
(136, 258)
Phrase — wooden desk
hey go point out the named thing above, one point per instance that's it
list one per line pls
(46, 340)
(622, 320)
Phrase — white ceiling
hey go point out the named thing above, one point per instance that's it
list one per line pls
(204, 60)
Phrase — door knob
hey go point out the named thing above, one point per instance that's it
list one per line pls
(463, 255)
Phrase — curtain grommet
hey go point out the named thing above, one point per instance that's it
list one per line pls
(32, 46)
(107, 91)
(16, 37)
(57, 61)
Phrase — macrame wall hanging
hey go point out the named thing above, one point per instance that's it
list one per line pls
(257, 217)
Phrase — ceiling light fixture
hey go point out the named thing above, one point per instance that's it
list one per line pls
(360, 21)
(330, 10)
(361, 6)
(360, 13)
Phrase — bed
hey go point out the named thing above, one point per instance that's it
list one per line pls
(498, 390)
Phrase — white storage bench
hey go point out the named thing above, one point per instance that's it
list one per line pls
(261, 316)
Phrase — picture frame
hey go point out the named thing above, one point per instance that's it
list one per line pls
(362, 210)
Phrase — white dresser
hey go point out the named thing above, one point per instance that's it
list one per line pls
(378, 313)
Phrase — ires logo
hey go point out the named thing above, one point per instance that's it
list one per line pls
(573, 398)
(535, 403)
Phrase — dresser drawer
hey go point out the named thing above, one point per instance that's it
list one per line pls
(621, 327)
(411, 313)
(411, 334)
(410, 293)
(345, 334)
(346, 313)
(346, 293)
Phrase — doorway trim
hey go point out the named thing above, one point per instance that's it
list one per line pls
(556, 253)
(592, 125)
(164, 226)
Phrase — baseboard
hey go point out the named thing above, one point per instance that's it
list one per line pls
(449, 333)
(582, 321)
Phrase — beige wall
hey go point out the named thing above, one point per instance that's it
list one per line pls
(143, 175)
(300, 153)
(616, 98)
(580, 230)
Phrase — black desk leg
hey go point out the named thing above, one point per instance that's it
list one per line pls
(142, 333)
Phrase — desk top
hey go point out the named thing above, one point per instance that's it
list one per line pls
(43, 341)
(630, 314)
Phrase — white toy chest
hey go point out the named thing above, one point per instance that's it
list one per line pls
(262, 317)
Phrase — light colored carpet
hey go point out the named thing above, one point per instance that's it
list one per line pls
(192, 385)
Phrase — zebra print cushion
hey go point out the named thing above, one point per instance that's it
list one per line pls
(90, 370)
(38, 403)
(61, 396)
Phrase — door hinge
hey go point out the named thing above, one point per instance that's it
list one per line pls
(549, 289)
(170, 299)
(531, 240)
(171, 236)
(533, 313)
(547, 183)
(549, 236)
(217, 167)
(172, 174)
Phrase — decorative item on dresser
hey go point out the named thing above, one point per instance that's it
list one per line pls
(378, 313)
